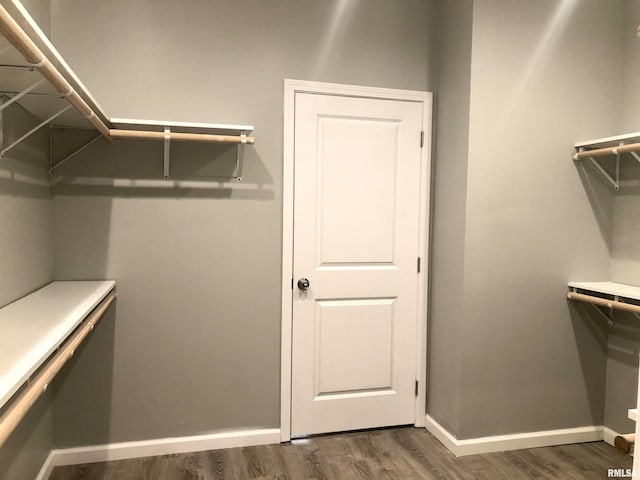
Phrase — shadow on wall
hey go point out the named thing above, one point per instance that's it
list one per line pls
(82, 391)
(624, 339)
(134, 168)
(29, 444)
(591, 336)
(599, 192)
(622, 371)
(617, 335)
(25, 207)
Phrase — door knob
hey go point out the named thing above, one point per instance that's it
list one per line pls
(303, 284)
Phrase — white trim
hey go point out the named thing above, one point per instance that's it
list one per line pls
(599, 142)
(501, 443)
(169, 123)
(423, 249)
(164, 446)
(291, 87)
(56, 55)
(47, 468)
(609, 435)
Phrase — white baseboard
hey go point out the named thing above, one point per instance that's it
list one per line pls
(47, 468)
(609, 435)
(164, 446)
(501, 443)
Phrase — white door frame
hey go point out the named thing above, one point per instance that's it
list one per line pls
(291, 87)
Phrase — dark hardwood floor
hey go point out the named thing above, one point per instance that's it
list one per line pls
(399, 453)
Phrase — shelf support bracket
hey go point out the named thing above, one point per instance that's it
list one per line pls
(4, 151)
(167, 143)
(618, 166)
(635, 155)
(604, 173)
(18, 96)
(609, 317)
(237, 173)
(71, 155)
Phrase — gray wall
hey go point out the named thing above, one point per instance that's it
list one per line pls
(26, 209)
(26, 264)
(529, 361)
(450, 160)
(26, 450)
(624, 336)
(195, 344)
(625, 256)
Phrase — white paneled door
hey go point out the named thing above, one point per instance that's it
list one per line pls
(355, 265)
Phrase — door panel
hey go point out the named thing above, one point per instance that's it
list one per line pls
(343, 190)
(357, 192)
(348, 330)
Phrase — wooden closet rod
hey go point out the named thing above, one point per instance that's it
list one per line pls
(180, 137)
(10, 29)
(21, 41)
(21, 404)
(603, 302)
(603, 152)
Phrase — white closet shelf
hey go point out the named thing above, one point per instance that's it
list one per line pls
(604, 142)
(34, 327)
(621, 293)
(633, 414)
(64, 86)
(615, 146)
(186, 127)
(609, 288)
(127, 128)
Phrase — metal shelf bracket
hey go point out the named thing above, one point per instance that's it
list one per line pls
(615, 179)
(53, 166)
(167, 143)
(18, 96)
(4, 151)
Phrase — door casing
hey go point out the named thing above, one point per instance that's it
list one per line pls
(291, 87)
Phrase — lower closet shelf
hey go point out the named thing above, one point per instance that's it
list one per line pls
(39, 333)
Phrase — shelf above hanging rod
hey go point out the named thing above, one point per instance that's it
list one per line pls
(195, 132)
(616, 290)
(34, 56)
(180, 137)
(594, 150)
(603, 302)
(607, 151)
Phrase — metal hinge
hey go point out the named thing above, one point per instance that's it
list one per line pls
(418, 264)
(416, 388)
(422, 139)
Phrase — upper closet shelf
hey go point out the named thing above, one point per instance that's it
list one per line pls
(594, 150)
(609, 288)
(181, 131)
(38, 54)
(597, 293)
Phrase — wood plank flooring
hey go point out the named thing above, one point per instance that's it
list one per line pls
(398, 453)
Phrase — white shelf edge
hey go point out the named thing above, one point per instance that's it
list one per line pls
(605, 140)
(609, 288)
(17, 370)
(160, 123)
(84, 91)
(56, 54)
(633, 414)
